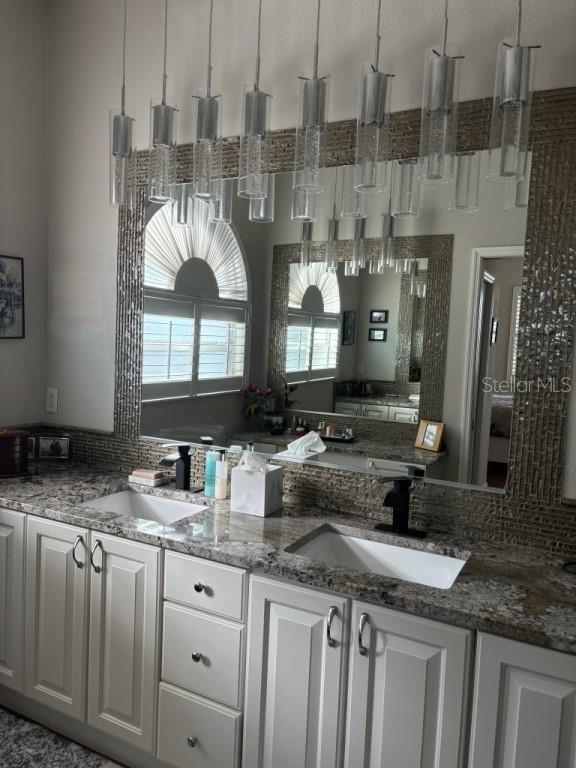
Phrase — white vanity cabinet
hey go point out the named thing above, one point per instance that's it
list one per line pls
(406, 699)
(12, 525)
(295, 683)
(57, 573)
(403, 415)
(346, 408)
(524, 712)
(123, 639)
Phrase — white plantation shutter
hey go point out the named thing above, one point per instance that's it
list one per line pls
(311, 346)
(298, 344)
(325, 344)
(221, 348)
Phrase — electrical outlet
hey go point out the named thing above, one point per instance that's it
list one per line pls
(51, 400)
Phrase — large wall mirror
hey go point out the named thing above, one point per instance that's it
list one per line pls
(360, 349)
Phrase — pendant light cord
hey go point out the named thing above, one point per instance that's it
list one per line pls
(259, 39)
(209, 80)
(164, 75)
(317, 46)
(519, 22)
(445, 30)
(123, 95)
(378, 38)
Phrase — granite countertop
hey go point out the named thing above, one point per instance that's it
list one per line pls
(511, 591)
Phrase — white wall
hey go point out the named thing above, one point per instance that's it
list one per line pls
(22, 201)
(83, 70)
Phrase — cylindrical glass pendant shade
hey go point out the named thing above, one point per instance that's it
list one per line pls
(253, 160)
(303, 205)
(465, 184)
(439, 115)
(162, 162)
(310, 133)
(221, 202)
(182, 214)
(401, 266)
(511, 112)
(121, 159)
(518, 192)
(331, 256)
(372, 131)
(405, 188)
(359, 245)
(207, 145)
(353, 201)
(351, 269)
(387, 241)
(261, 209)
(413, 273)
(306, 243)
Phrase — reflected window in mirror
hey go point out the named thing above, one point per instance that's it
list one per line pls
(195, 307)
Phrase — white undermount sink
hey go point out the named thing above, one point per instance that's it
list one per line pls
(142, 505)
(418, 566)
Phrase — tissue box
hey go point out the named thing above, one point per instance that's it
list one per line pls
(256, 493)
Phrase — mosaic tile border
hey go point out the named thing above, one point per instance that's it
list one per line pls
(533, 510)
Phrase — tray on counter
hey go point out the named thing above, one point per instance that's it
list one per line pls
(338, 439)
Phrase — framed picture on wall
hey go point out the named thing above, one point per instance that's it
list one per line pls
(348, 328)
(379, 315)
(377, 334)
(11, 297)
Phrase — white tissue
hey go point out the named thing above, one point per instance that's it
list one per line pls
(306, 446)
(251, 462)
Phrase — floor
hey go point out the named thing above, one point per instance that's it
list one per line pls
(24, 744)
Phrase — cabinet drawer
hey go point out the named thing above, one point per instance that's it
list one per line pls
(195, 733)
(205, 585)
(218, 643)
(403, 415)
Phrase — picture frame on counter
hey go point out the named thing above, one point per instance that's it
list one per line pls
(53, 447)
(379, 315)
(429, 436)
(377, 334)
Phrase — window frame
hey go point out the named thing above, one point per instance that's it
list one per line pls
(195, 386)
(312, 374)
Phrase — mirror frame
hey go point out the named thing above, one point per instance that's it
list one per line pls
(533, 508)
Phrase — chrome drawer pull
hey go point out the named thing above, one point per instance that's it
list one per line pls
(79, 540)
(97, 545)
(333, 611)
(192, 741)
(196, 657)
(362, 649)
(199, 587)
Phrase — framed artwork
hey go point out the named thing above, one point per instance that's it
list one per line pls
(11, 297)
(53, 447)
(377, 334)
(348, 328)
(430, 435)
(379, 315)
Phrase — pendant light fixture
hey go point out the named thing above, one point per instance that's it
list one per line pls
(439, 110)
(253, 161)
(465, 184)
(330, 257)
(306, 243)
(207, 134)
(359, 244)
(311, 124)
(121, 128)
(373, 123)
(162, 163)
(511, 107)
(261, 209)
(405, 188)
(387, 241)
(303, 205)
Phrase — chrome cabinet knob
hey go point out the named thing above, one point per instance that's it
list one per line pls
(192, 741)
(196, 657)
(199, 587)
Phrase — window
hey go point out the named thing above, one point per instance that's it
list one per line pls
(311, 346)
(195, 308)
(514, 327)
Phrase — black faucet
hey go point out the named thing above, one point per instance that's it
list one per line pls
(398, 499)
(181, 461)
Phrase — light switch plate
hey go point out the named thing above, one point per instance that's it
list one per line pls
(51, 400)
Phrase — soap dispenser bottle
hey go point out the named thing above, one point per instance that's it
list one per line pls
(221, 477)
(210, 474)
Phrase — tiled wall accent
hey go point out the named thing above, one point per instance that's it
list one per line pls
(438, 250)
(532, 511)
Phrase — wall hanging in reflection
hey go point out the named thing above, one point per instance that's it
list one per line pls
(11, 297)
(377, 334)
(348, 328)
(379, 315)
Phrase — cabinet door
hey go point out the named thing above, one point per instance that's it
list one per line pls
(524, 713)
(403, 415)
(348, 409)
(56, 613)
(295, 677)
(11, 598)
(407, 691)
(375, 411)
(124, 606)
